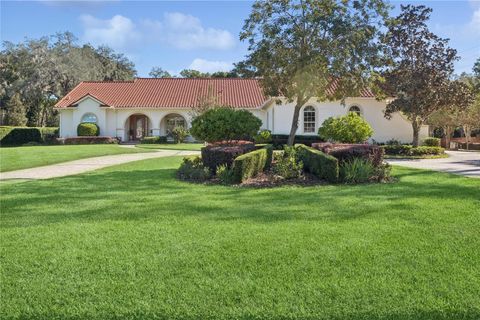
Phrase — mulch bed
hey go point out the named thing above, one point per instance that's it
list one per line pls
(270, 180)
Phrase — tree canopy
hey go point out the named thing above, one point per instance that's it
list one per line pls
(43, 70)
(158, 72)
(300, 47)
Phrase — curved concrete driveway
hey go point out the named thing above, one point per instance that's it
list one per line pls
(459, 162)
(84, 165)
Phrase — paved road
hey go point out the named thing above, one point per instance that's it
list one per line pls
(459, 162)
(84, 165)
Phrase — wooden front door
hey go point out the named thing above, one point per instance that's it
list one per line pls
(138, 127)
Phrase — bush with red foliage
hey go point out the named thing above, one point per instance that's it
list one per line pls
(224, 152)
(88, 140)
(346, 152)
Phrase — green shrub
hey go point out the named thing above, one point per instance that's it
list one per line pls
(393, 142)
(87, 129)
(316, 162)
(179, 134)
(49, 134)
(264, 136)
(356, 170)
(350, 128)
(88, 140)
(251, 164)
(225, 124)
(19, 135)
(288, 164)
(154, 140)
(424, 150)
(397, 149)
(192, 169)
(431, 142)
(279, 140)
(225, 175)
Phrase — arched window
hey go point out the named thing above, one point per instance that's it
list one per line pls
(309, 119)
(89, 117)
(355, 109)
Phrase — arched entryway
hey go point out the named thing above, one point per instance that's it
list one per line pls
(171, 121)
(137, 126)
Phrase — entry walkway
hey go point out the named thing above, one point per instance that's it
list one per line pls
(84, 165)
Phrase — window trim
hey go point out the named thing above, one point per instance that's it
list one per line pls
(360, 110)
(309, 109)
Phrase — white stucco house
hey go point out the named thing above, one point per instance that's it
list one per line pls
(143, 107)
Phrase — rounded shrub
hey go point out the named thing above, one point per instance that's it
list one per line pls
(86, 129)
(225, 124)
(350, 128)
(264, 136)
(431, 142)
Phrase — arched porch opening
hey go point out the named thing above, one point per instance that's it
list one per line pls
(170, 121)
(137, 126)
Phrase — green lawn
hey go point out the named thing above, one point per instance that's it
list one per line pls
(172, 146)
(15, 158)
(131, 242)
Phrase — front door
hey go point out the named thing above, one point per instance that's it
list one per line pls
(138, 127)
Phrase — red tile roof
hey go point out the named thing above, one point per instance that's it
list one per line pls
(173, 92)
(168, 92)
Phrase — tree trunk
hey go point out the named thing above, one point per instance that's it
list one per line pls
(416, 124)
(293, 130)
(468, 133)
(448, 136)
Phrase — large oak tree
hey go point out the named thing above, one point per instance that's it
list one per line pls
(420, 70)
(299, 47)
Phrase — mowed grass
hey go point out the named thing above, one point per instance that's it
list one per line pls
(173, 146)
(15, 158)
(132, 242)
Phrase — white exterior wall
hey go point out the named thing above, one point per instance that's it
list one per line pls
(276, 118)
(399, 128)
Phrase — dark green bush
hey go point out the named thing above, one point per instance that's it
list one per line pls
(49, 134)
(87, 129)
(192, 169)
(288, 164)
(424, 150)
(350, 128)
(88, 140)
(318, 163)
(264, 136)
(279, 140)
(225, 124)
(431, 142)
(251, 164)
(397, 149)
(224, 152)
(11, 136)
(154, 140)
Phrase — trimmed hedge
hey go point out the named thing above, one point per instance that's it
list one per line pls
(278, 140)
(88, 140)
(153, 140)
(87, 129)
(408, 150)
(347, 152)
(251, 164)
(14, 136)
(224, 152)
(318, 163)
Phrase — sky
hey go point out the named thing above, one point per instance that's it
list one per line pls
(201, 35)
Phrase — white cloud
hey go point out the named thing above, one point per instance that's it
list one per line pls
(184, 31)
(203, 65)
(475, 22)
(118, 32)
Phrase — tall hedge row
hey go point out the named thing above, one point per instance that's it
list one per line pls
(318, 163)
(250, 164)
(12, 136)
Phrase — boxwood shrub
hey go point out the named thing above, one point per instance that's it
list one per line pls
(86, 129)
(318, 163)
(278, 140)
(15, 136)
(251, 164)
(424, 150)
(408, 150)
(88, 140)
